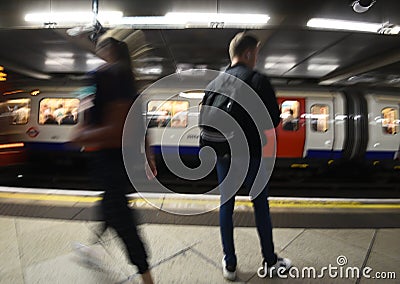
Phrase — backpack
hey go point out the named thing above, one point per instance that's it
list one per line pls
(220, 96)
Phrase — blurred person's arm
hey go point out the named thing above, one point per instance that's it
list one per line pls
(107, 134)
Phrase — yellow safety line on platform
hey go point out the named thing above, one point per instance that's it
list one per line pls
(50, 197)
(272, 203)
(298, 204)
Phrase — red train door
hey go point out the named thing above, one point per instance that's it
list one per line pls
(291, 132)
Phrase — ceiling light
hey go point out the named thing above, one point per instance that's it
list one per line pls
(279, 65)
(333, 24)
(73, 17)
(150, 22)
(322, 67)
(151, 70)
(361, 6)
(59, 54)
(59, 61)
(220, 19)
(196, 20)
(280, 62)
(94, 61)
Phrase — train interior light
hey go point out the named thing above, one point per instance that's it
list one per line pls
(35, 92)
(3, 75)
(192, 95)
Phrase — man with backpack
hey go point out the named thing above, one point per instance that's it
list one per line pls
(228, 120)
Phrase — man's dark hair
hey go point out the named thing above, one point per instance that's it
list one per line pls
(240, 43)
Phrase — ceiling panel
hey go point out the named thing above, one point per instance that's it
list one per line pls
(43, 50)
(290, 50)
(286, 49)
(346, 51)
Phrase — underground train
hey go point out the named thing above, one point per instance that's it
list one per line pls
(317, 125)
(35, 124)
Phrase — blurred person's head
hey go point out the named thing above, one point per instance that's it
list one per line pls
(112, 50)
(244, 49)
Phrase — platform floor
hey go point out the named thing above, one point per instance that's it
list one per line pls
(39, 250)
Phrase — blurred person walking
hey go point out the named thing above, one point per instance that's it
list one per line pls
(115, 93)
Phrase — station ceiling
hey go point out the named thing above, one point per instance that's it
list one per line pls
(291, 52)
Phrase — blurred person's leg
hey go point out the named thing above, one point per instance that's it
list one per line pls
(115, 208)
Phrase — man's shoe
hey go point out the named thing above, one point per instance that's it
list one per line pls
(229, 272)
(281, 266)
(283, 263)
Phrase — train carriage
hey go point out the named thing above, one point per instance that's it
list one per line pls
(318, 126)
(36, 125)
(383, 127)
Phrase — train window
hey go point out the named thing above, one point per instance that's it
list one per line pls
(290, 115)
(319, 118)
(390, 121)
(167, 113)
(61, 111)
(17, 111)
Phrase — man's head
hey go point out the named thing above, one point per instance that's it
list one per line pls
(244, 49)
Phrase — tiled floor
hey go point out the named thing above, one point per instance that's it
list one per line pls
(40, 251)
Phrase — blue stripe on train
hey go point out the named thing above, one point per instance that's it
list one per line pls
(321, 154)
(188, 150)
(183, 150)
(372, 155)
(45, 146)
(380, 155)
(324, 154)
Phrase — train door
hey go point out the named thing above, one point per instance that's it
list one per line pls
(320, 127)
(290, 133)
(384, 138)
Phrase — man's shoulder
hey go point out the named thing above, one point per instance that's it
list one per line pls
(258, 76)
(260, 81)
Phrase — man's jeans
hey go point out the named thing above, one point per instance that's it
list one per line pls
(260, 203)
